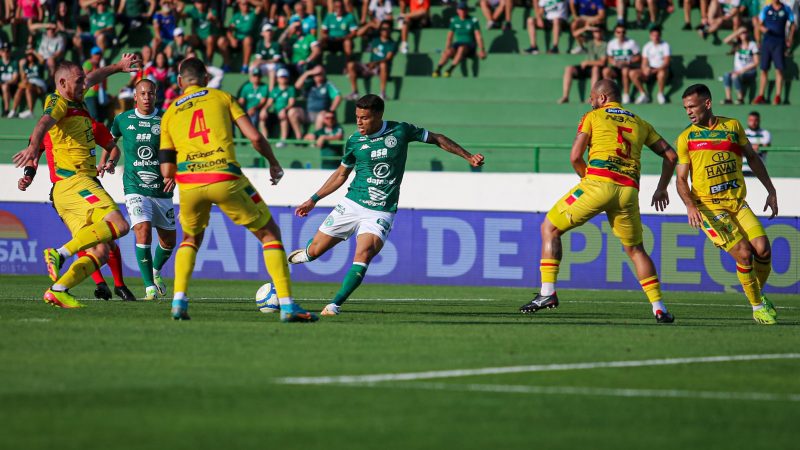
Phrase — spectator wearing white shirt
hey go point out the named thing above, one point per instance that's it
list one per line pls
(745, 63)
(759, 138)
(655, 63)
(623, 57)
(51, 48)
(547, 14)
(373, 13)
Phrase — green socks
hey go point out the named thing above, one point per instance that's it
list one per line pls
(351, 281)
(145, 261)
(162, 255)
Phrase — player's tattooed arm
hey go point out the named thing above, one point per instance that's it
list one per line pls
(450, 146)
(682, 183)
(576, 155)
(760, 171)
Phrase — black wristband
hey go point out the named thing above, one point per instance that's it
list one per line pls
(29, 171)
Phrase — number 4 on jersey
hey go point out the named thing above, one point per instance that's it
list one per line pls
(198, 126)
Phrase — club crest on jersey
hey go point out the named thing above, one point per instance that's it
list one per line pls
(390, 141)
(156, 128)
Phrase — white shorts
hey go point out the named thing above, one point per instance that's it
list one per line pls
(349, 217)
(160, 212)
(558, 11)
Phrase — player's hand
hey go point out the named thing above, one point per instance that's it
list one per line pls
(169, 184)
(275, 174)
(305, 208)
(475, 160)
(482, 54)
(695, 217)
(24, 182)
(22, 157)
(660, 199)
(130, 62)
(772, 204)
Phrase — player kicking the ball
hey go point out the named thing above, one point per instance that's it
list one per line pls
(710, 150)
(378, 154)
(610, 183)
(148, 195)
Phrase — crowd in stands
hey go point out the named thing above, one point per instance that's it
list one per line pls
(281, 45)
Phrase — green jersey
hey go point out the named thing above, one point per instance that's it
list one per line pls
(301, 48)
(253, 95)
(464, 30)
(141, 136)
(98, 21)
(271, 52)
(380, 163)
(338, 27)
(243, 24)
(34, 70)
(202, 26)
(331, 154)
(380, 49)
(8, 69)
(281, 97)
(135, 8)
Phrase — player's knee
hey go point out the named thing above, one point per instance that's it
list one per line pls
(761, 248)
(168, 242)
(548, 230)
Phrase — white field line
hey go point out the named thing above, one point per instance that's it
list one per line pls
(592, 391)
(435, 374)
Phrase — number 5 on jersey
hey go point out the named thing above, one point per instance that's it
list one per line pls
(198, 126)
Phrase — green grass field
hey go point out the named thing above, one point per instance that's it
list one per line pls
(123, 375)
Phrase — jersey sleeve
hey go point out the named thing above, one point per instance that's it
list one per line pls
(585, 125)
(115, 127)
(682, 148)
(452, 26)
(333, 91)
(101, 134)
(651, 136)
(740, 134)
(349, 157)
(55, 107)
(767, 139)
(476, 24)
(166, 137)
(415, 134)
(667, 50)
(234, 108)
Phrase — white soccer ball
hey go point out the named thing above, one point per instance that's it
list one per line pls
(267, 299)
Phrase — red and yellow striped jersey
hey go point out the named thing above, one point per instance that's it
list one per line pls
(715, 155)
(198, 125)
(71, 141)
(616, 137)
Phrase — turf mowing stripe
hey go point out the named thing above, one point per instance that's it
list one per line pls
(376, 378)
(591, 391)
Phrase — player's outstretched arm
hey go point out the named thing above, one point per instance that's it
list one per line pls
(128, 63)
(23, 157)
(450, 146)
(669, 160)
(579, 145)
(334, 182)
(262, 147)
(682, 183)
(760, 171)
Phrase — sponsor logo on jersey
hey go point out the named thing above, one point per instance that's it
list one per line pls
(199, 155)
(191, 96)
(131, 127)
(144, 124)
(380, 153)
(721, 156)
(381, 170)
(194, 167)
(619, 111)
(722, 187)
(724, 168)
(144, 152)
(364, 147)
(376, 194)
(719, 217)
(390, 141)
(143, 136)
(147, 177)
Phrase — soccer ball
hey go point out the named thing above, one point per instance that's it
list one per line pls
(267, 299)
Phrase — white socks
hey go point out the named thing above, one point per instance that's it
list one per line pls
(547, 289)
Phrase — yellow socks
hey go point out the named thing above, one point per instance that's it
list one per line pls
(549, 271)
(762, 267)
(278, 268)
(92, 235)
(652, 288)
(749, 283)
(184, 266)
(78, 271)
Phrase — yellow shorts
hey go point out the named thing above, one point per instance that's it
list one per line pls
(729, 221)
(81, 201)
(238, 199)
(591, 197)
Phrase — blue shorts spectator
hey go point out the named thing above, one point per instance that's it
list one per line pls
(772, 52)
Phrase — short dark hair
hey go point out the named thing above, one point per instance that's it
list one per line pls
(192, 70)
(387, 22)
(619, 25)
(145, 80)
(755, 113)
(700, 89)
(655, 28)
(370, 102)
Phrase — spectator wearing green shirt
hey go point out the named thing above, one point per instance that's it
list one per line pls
(101, 25)
(253, 96)
(381, 53)
(268, 56)
(331, 154)
(132, 14)
(239, 36)
(281, 101)
(305, 52)
(462, 39)
(204, 27)
(591, 67)
(9, 77)
(338, 30)
(321, 95)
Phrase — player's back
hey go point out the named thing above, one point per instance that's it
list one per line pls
(198, 125)
(616, 138)
(70, 142)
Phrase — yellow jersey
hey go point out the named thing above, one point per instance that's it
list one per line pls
(70, 142)
(715, 155)
(616, 137)
(198, 125)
